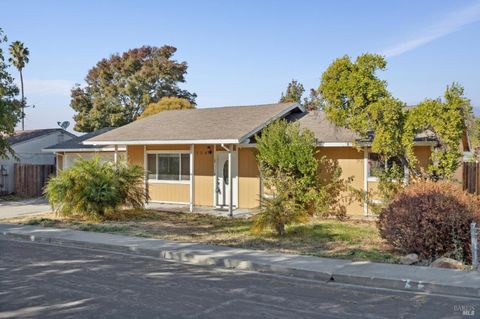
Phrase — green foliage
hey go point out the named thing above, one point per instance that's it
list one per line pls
(349, 88)
(93, 189)
(278, 211)
(19, 57)
(290, 170)
(120, 88)
(447, 120)
(10, 111)
(294, 92)
(355, 98)
(166, 104)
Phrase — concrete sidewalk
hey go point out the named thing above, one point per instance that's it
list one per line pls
(409, 278)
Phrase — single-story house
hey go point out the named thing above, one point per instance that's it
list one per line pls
(28, 145)
(206, 157)
(69, 151)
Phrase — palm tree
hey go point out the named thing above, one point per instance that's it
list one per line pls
(19, 58)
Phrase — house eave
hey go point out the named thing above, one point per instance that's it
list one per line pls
(164, 142)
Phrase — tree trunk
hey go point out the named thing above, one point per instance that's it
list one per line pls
(23, 101)
(280, 228)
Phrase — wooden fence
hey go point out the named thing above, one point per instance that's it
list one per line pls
(31, 178)
(471, 177)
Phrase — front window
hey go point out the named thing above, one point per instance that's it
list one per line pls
(376, 166)
(168, 166)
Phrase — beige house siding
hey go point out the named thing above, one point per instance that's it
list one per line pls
(59, 162)
(135, 155)
(423, 156)
(204, 175)
(168, 192)
(248, 179)
(351, 162)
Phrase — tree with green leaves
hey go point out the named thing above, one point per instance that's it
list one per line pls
(19, 57)
(167, 104)
(293, 93)
(356, 98)
(291, 172)
(118, 89)
(10, 108)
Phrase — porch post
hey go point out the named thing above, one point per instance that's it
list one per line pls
(115, 155)
(192, 177)
(230, 181)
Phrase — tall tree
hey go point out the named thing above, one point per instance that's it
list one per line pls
(293, 93)
(9, 107)
(19, 57)
(119, 88)
(166, 104)
(355, 98)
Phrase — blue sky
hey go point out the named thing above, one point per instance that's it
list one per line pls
(246, 52)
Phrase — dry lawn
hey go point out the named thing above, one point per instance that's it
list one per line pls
(356, 240)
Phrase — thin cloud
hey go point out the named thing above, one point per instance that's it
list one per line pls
(48, 87)
(451, 23)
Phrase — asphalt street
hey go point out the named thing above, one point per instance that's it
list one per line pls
(48, 281)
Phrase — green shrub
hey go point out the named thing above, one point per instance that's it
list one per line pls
(431, 219)
(301, 184)
(92, 189)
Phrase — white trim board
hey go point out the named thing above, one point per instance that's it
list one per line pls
(164, 142)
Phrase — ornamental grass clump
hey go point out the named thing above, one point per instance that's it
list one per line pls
(94, 189)
(431, 219)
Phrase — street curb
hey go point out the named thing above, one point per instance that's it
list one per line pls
(465, 284)
(180, 256)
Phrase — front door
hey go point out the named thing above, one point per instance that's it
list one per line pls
(222, 187)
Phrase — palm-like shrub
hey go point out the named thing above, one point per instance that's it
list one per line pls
(92, 189)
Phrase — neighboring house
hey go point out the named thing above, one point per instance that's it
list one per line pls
(28, 147)
(69, 151)
(206, 157)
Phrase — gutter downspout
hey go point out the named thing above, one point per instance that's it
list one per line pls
(230, 185)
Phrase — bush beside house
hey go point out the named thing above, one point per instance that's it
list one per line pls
(94, 189)
(431, 219)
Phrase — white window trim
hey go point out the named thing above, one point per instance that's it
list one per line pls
(377, 179)
(168, 181)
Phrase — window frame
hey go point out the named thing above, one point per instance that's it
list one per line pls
(168, 181)
(377, 179)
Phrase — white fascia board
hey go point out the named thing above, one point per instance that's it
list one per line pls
(276, 117)
(368, 144)
(335, 144)
(84, 150)
(165, 142)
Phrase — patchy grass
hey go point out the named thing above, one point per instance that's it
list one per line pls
(356, 240)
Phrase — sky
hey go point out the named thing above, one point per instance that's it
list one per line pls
(246, 52)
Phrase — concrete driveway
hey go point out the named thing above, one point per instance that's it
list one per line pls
(9, 209)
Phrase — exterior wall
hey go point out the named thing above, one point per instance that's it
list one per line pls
(30, 152)
(135, 155)
(351, 161)
(423, 156)
(204, 175)
(158, 191)
(248, 179)
(169, 192)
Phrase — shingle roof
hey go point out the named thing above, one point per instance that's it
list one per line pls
(324, 130)
(207, 124)
(327, 132)
(77, 142)
(22, 136)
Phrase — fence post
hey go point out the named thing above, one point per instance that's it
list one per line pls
(474, 237)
